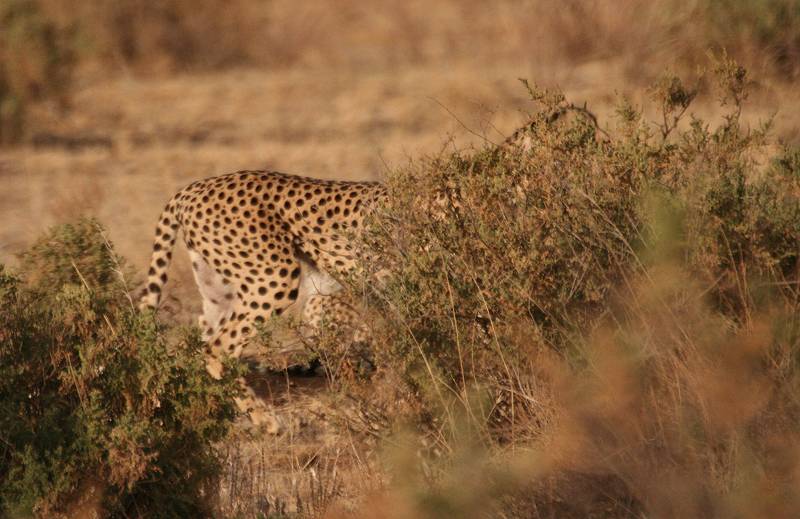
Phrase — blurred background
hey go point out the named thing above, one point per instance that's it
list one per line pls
(107, 107)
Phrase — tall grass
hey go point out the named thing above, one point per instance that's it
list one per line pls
(179, 34)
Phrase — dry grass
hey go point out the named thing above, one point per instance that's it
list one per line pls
(627, 321)
(174, 35)
(328, 452)
(351, 90)
(166, 133)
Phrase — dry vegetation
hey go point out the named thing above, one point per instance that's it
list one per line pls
(594, 322)
(613, 310)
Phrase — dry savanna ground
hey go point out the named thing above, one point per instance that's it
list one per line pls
(377, 89)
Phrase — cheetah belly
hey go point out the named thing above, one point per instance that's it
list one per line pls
(314, 282)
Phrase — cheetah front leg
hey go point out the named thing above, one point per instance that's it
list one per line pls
(334, 310)
(350, 350)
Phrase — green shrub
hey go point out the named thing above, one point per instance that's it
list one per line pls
(91, 391)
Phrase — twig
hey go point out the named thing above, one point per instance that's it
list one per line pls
(459, 121)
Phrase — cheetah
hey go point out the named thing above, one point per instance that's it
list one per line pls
(260, 242)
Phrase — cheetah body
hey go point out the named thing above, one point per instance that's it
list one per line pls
(260, 243)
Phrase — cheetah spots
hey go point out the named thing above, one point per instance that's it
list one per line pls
(244, 232)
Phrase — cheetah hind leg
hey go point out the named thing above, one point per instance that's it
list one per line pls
(228, 340)
(218, 297)
(277, 293)
(219, 319)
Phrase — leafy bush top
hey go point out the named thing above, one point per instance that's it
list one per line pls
(91, 390)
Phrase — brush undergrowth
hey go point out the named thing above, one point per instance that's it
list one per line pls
(93, 395)
(598, 321)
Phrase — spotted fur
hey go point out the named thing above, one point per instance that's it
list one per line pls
(260, 242)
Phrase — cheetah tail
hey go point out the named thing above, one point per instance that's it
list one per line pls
(166, 232)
